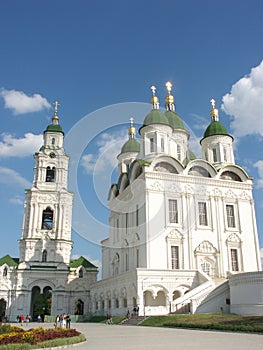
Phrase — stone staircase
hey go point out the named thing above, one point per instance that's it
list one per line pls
(133, 321)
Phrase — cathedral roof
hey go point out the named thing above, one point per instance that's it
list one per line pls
(155, 117)
(54, 128)
(215, 128)
(8, 260)
(131, 146)
(81, 261)
(174, 120)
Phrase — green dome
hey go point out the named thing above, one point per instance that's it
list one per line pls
(131, 146)
(155, 117)
(215, 128)
(174, 120)
(54, 128)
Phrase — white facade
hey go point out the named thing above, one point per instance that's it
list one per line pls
(179, 228)
(182, 231)
(44, 266)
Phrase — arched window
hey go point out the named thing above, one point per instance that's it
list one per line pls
(44, 256)
(5, 272)
(47, 219)
(80, 273)
(165, 167)
(229, 175)
(199, 171)
(50, 174)
(53, 141)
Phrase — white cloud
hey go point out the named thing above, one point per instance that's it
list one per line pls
(245, 103)
(109, 146)
(259, 166)
(11, 177)
(199, 122)
(16, 201)
(20, 103)
(19, 147)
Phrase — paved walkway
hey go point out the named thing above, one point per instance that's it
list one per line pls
(106, 337)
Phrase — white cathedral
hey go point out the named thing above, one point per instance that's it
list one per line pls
(182, 236)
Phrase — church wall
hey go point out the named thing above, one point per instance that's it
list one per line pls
(246, 293)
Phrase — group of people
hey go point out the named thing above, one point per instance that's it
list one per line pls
(135, 312)
(21, 319)
(62, 321)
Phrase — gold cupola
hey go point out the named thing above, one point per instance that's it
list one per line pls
(154, 99)
(131, 130)
(169, 99)
(214, 111)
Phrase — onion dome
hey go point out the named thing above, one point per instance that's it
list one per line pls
(155, 116)
(174, 119)
(131, 145)
(55, 127)
(215, 127)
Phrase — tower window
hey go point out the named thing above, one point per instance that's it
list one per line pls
(5, 272)
(175, 257)
(44, 256)
(80, 273)
(162, 144)
(137, 215)
(173, 211)
(234, 260)
(225, 155)
(137, 257)
(47, 219)
(151, 144)
(215, 155)
(230, 215)
(53, 141)
(50, 174)
(126, 221)
(179, 152)
(202, 213)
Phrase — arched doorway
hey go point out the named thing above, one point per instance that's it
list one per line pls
(2, 309)
(79, 307)
(41, 302)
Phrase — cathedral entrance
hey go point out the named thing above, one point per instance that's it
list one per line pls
(41, 302)
(2, 309)
(79, 307)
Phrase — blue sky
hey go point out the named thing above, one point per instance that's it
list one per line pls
(98, 59)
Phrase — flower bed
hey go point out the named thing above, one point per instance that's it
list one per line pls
(34, 335)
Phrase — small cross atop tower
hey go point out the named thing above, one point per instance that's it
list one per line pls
(153, 88)
(56, 104)
(213, 103)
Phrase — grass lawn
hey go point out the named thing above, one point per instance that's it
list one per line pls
(226, 322)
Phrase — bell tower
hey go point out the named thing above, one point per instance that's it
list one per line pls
(46, 230)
